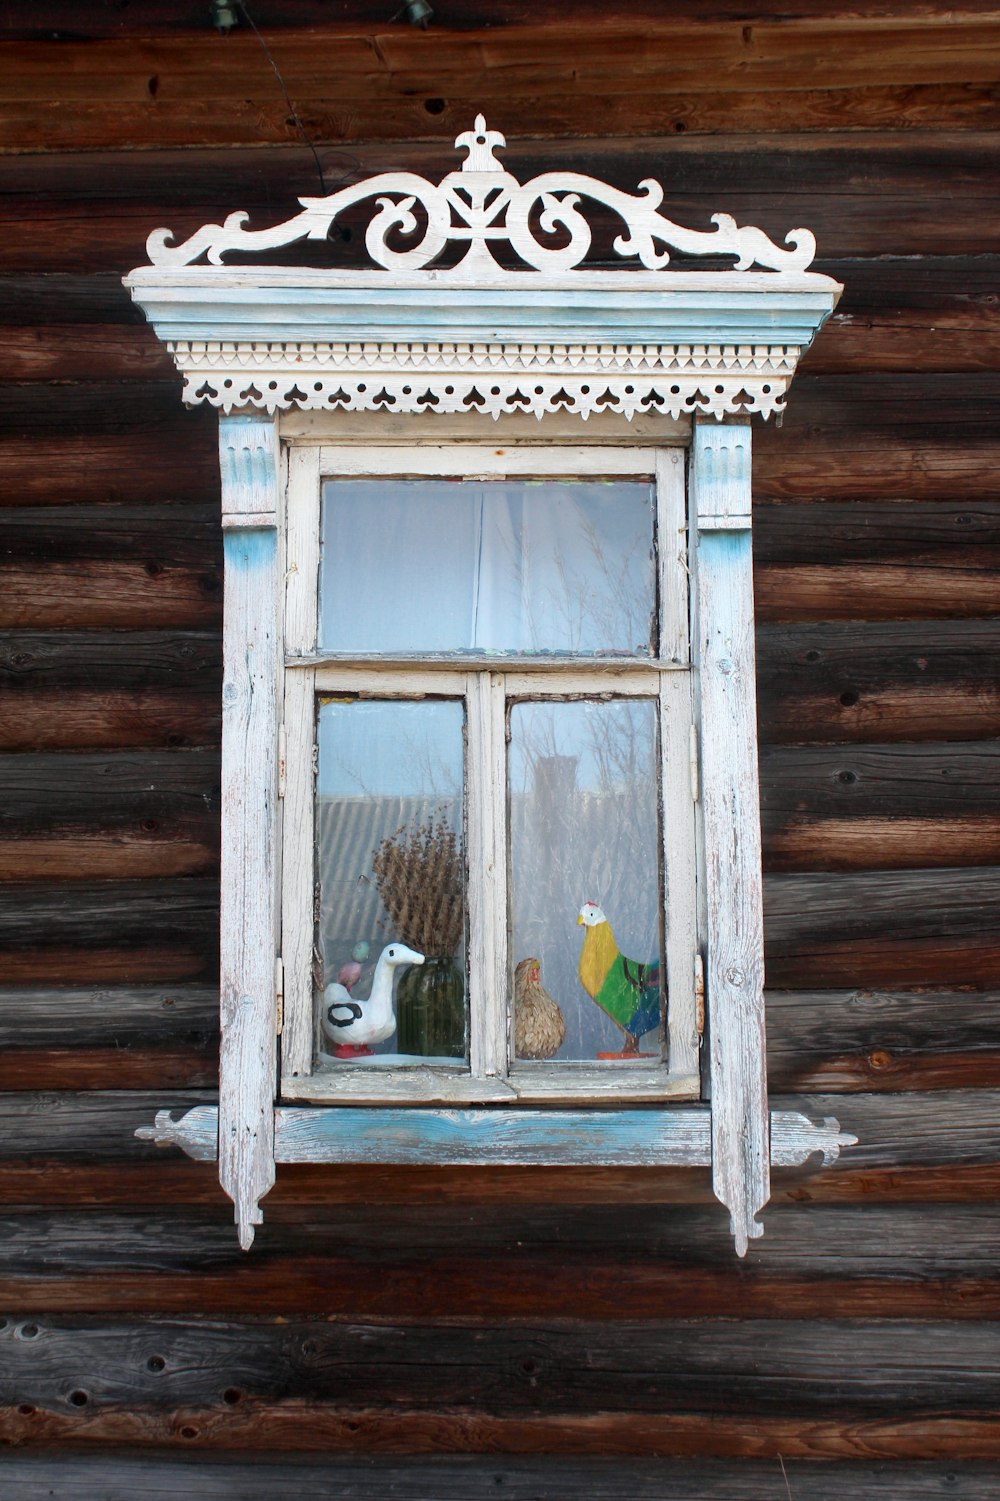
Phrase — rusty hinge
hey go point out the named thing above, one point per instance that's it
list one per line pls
(699, 994)
(282, 760)
(279, 994)
(693, 752)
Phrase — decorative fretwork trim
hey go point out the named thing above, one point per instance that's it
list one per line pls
(720, 380)
(483, 204)
(495, 395)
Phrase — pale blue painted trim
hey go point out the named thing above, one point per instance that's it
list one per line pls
(311, 314)
(612, 1138)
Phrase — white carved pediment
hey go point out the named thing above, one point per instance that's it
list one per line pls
(482, 204)
(441, 323)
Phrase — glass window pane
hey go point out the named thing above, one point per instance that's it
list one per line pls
(461, 565)
(390, 866)
(585, 887)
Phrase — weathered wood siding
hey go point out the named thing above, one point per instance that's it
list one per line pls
(540, 1334)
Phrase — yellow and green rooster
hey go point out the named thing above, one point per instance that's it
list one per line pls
(627, 990)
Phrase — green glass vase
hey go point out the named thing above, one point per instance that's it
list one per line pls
(430, 1010)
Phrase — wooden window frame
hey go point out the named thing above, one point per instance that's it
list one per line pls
(485, 686)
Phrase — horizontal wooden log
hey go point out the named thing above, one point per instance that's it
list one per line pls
(75, 1039)
(95, 566)
(207, 122)
(120, 467)
(881, 341)
(177, 1181)
(875, 532)
(833, 930)
(88, 817)
(953, 406)
(110, 1018)
(261, 180)
(141, 689)
(106, 789)
(905, 1242)
(48, 299)
(824, 466)
(824, 1262)
(825, 560)
(75, 1068)
(178, 534)
(162, 1477)
(886, 806)
(93, 407)
(55, 20)
(339, 1428)
(109, 595)
(909, 221)
(129, 932)
(860, 1040)
(67, 719)
(144, 850)
(682, 1386)
(833, 52)
(137, 659)
(928, 589)
(89, 351)
(875, 1039)
(877, 682)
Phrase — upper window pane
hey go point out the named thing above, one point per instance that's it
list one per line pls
(414, 566)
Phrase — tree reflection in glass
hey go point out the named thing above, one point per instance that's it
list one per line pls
(584, 830)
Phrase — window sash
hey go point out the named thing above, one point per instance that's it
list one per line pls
(486, 686)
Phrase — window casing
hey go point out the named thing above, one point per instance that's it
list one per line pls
(663, 368)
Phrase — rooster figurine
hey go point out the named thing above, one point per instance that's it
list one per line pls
(539, 1027)
(351, 1025)
(624, 988)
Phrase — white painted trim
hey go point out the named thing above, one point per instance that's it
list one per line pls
(298, 1039)
(671, 553)
(488, 461)
(560, 1084)
(679, 873)
(249, 863)
(731, 803)
(486, 854)
(408, 429)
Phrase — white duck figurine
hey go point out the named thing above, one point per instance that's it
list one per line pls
(352, 1024)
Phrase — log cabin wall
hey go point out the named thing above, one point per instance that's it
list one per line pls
(459, 1334)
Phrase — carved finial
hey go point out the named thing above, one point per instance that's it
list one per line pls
(480, 143)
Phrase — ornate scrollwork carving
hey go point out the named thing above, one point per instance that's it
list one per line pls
(481, 204)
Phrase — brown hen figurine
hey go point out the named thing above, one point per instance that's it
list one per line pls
(539, 1028)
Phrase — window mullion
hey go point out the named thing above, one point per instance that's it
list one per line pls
(299, 717)
(487, 857)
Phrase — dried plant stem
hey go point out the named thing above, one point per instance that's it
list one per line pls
(418, 872)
